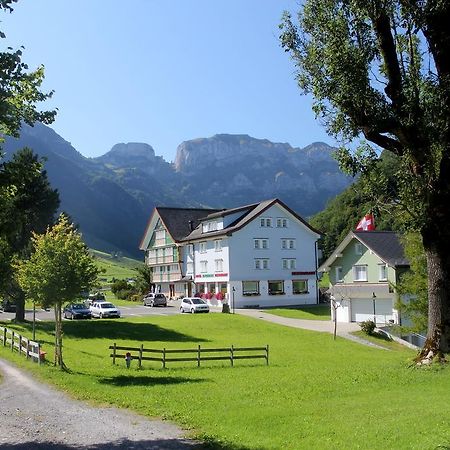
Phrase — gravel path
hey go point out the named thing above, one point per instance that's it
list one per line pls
(34, 416)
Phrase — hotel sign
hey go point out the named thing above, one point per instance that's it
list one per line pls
(211, 275)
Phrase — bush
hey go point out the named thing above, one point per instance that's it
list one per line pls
(368, 327)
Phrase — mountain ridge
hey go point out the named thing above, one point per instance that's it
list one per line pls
(111, 196)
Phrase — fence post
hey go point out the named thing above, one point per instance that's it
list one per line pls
(140, 356)
(12, 340)
(4, 337)
(232, 355)
(20, 344)
(28, 348)
(198, 356)
(164, 358)
(114, 354)
(267, 354)
(39, 353)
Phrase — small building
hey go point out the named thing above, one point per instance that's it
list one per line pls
(363, 272)
(258, 255)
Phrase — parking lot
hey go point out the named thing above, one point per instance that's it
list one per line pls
(139, 310)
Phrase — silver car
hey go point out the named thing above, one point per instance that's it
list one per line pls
(193, 305)
(104, 309)
(155, 300)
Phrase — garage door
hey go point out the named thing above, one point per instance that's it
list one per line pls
(362, 309)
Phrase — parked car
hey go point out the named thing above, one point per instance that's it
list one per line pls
(193, 305)
(7, 306)
(77, 311)
(104, 309)
(96, 296)
(155, 300)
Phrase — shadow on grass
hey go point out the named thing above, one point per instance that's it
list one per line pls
(123, 380)
(125, 444)
(117, 329)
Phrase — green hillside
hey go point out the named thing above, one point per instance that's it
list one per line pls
(119, 267)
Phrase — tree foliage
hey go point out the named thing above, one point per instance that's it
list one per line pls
(19, 89)
(59, 269)
(412, 288)
(379, 70)
(30, 205)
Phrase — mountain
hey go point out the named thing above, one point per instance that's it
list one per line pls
(112, 196)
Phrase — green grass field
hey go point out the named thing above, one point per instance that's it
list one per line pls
(313, 312)
(315, 394)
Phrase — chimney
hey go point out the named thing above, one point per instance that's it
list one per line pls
(191, 225)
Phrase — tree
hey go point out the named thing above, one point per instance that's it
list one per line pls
(30, 207)
(19, 89)
(59, 269)
(144, 279)
(379, 70)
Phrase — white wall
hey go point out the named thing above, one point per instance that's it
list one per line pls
(242, 255)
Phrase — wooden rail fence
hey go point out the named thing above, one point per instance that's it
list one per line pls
(199, 354)
(25, 346)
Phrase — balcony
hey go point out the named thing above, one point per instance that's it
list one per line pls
(161, 260)
(366, 290)
(166, 277)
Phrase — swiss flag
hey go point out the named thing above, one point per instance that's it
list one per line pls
(367, 223)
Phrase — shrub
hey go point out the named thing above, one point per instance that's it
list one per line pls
(368, 327)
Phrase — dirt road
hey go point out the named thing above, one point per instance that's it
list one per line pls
(34, 416)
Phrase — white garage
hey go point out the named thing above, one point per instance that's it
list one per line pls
(363, 309)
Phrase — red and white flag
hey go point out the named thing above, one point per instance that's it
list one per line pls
(367, 223)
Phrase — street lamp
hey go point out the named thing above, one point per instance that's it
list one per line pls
(374, 297)
(232, 296)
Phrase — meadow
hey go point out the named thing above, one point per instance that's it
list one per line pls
(315, 393)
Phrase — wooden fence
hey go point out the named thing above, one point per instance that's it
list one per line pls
(199, 354)
(25, 346)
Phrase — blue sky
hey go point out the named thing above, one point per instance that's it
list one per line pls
(163, 71)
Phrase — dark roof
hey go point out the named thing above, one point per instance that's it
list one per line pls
(386, 244)
(249, 212)
(177, 219)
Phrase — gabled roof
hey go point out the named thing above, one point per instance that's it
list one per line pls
(385, 244)
(249, 212)
(177, 221)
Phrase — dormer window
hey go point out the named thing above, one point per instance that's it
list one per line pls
(207, 227)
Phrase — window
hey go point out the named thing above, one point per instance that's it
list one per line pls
(382, 272)
(359, 248)
(281, 223)
(250, 288)
(260, 244)
(299, 286)
(160, 234)
(359, 273)
(190, 249)
(288, 244)
(339, 274)
(289, 263)
(189, 267)
(219, 265)
(261, 263)
(218, 245)
(209, 226)
(202, 247)
(265, 222)
(203, 266)
(276, 287)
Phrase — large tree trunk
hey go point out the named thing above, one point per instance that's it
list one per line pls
(436, 239)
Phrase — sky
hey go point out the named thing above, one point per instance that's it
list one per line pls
(163, 71)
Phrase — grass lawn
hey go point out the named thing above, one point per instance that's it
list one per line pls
(313, 312)
(315, 394)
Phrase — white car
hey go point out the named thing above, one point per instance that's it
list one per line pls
(104, 309)
(193, 305)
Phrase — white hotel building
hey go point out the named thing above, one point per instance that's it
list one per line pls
(259, 255)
